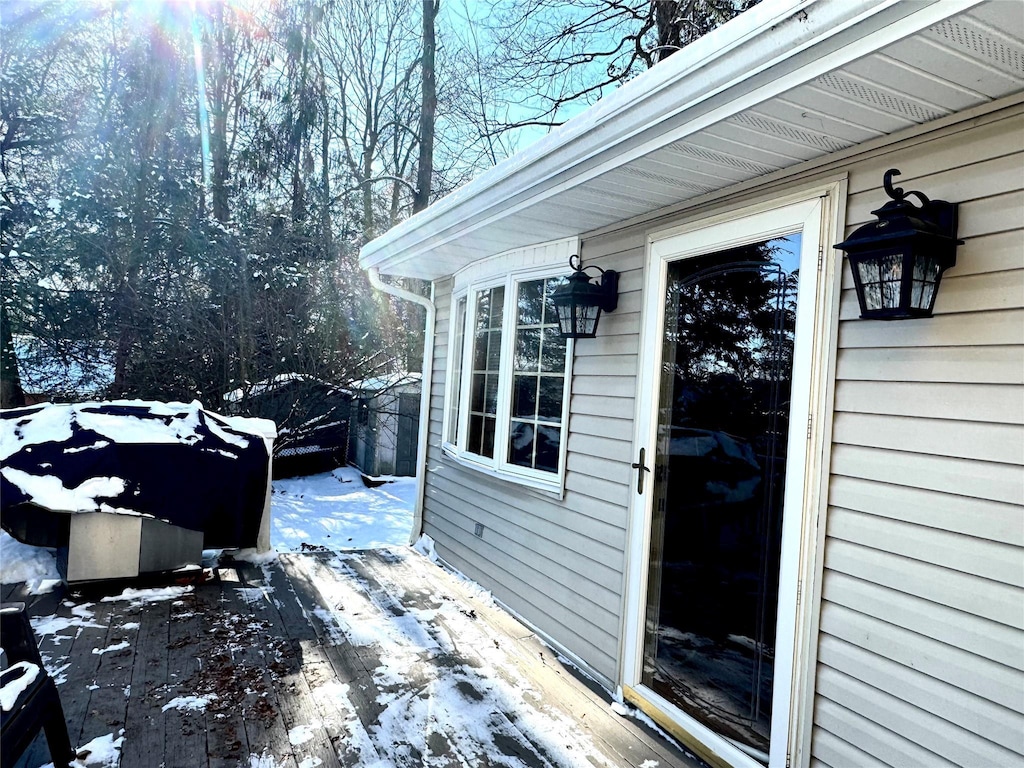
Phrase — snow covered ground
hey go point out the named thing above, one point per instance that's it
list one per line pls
(335, 511)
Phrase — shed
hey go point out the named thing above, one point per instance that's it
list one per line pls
(312, 418)
(790, 535)
(385, 424)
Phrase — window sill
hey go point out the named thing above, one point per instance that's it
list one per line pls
(554, 489)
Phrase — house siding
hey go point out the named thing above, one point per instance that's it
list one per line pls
(920, 648)
(921, 644)
(556, 562)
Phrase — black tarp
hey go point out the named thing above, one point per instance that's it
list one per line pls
(201, 471)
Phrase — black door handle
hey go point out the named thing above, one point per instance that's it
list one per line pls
(640, 467)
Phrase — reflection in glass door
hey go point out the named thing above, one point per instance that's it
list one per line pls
(723, 424)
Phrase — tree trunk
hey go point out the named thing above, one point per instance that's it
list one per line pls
(325, 165)
(219, 156)
(369, 223)
(428, 108)
(11, 393)
(667, 17)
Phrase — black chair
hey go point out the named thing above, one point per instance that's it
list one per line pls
(38, 706)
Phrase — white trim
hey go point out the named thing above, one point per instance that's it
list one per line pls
(814, 37)
(805, 212)
(495, 268)
(449, 378)
(553, 489)
(812, 554)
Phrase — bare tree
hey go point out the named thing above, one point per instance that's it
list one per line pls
(577, 49)
(373, 60)
(428, 108)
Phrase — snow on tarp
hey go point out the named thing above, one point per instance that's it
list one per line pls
(173, 461)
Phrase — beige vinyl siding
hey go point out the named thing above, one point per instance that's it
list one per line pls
(921, 645)
(556, 562)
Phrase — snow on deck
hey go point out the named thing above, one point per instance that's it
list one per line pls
(376, 658)
(348, 649)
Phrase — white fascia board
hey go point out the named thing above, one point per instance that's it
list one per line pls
(724, 63)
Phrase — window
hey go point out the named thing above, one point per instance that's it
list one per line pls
(458, 341)
(483, 406)
(538, 379)
(509, 380)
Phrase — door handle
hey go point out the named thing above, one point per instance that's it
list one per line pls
(640, 468)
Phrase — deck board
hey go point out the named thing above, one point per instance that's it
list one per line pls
(146, 723)
(319, 659)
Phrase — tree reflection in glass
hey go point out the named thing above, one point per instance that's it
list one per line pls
(538, 378)
(483, 403)
(720, 471)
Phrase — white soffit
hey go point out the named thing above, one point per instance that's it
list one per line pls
(784, 83)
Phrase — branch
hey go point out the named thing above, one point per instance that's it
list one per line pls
(361, 184)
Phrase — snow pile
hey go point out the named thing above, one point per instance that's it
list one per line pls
(177, 423)
(335, 511)
(35, 566)
(425, 546)
(111, 648)
(52, 626)
(189, 703)
(48, 491)
(139, 597)
(300, 734)
(101, 752)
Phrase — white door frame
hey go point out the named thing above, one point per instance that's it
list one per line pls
(814, 214)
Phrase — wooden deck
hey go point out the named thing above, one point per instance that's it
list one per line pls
(375, 658)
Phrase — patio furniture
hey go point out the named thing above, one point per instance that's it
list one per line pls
(36, 707)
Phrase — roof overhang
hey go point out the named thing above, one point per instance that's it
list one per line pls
(785, 83)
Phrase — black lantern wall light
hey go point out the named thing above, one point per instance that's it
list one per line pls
(580, 302)
(898, 260)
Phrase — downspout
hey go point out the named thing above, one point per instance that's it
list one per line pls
(428, 368)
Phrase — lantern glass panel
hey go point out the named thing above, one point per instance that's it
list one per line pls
(581, 319)
(881, 277)
(926, 277)
(587, 317)
(565, 317)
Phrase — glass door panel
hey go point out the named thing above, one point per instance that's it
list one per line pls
(723, 424)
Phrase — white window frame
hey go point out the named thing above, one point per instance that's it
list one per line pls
(506, 270)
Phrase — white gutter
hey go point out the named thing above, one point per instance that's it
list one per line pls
(428, 367)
